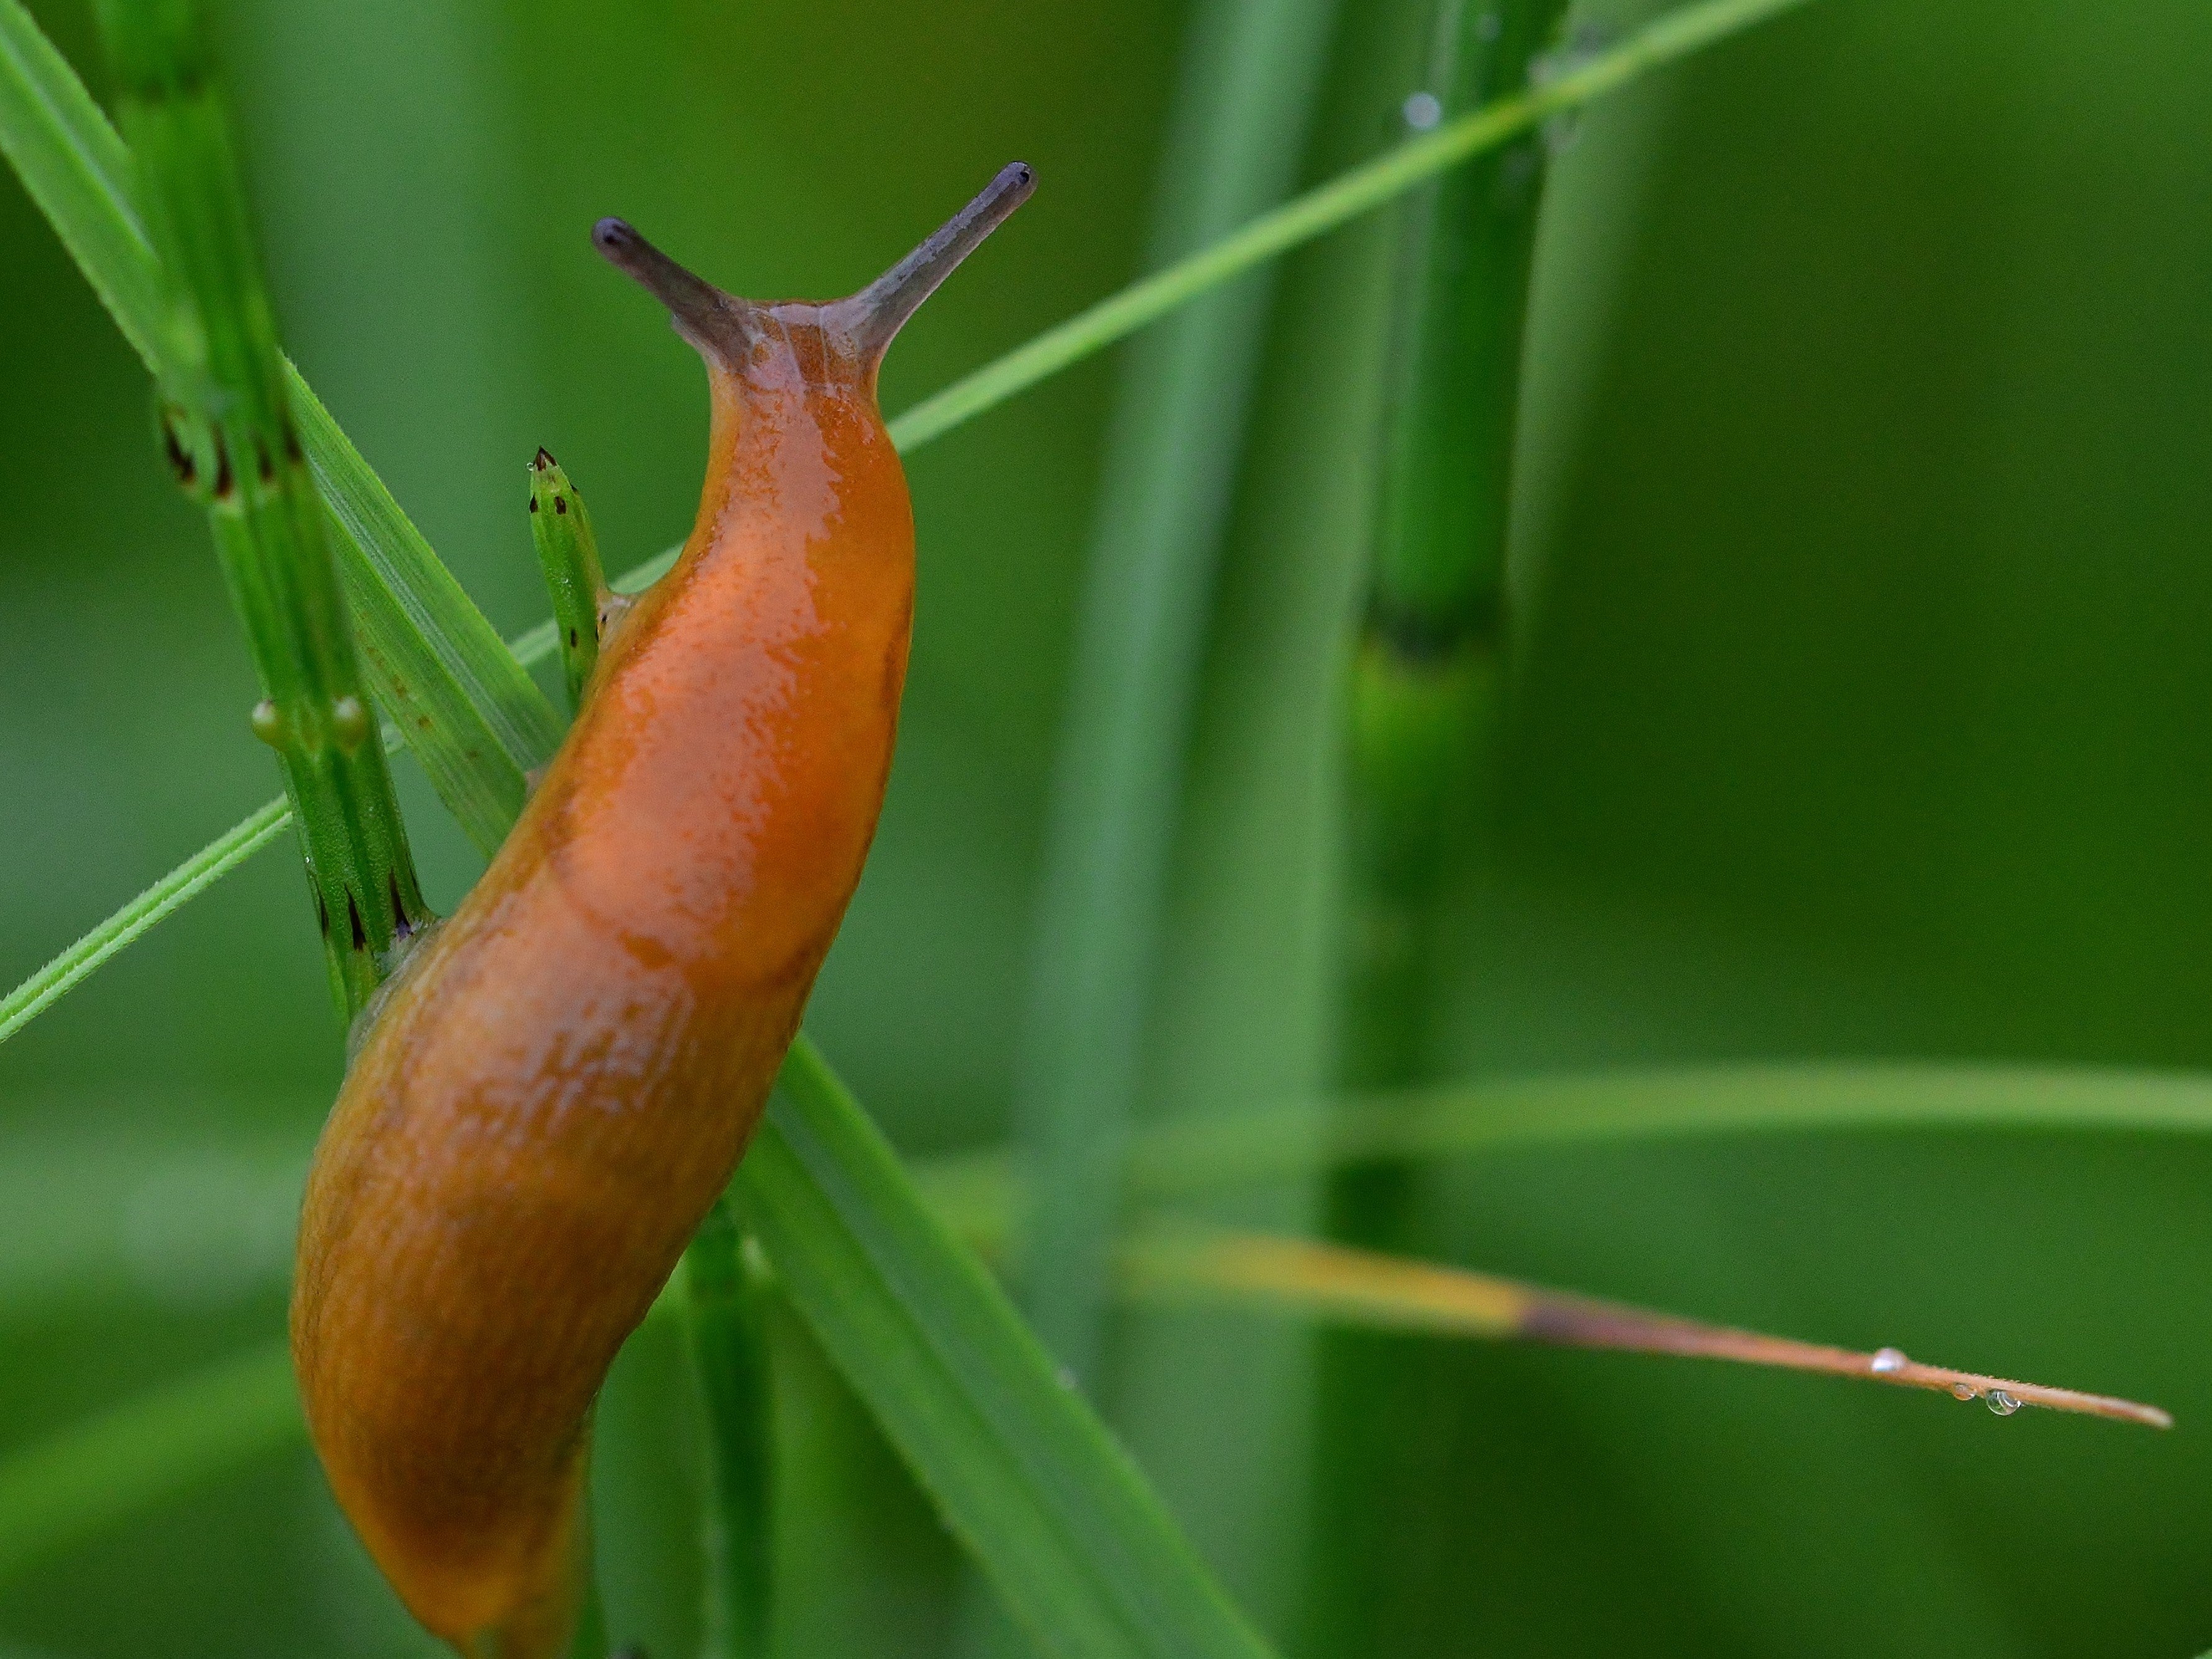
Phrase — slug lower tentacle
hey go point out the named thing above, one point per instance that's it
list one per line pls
(560, 1082)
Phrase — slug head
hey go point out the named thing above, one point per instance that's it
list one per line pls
(838, 341)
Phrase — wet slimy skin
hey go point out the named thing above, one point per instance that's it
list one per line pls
(562, 1078)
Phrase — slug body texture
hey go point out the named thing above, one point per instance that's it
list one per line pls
(563, 1077)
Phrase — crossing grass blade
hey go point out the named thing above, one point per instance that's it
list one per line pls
(1076, 1544)
(980, 1193)
(260, 828)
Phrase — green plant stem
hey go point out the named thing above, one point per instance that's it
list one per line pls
(453, 699)
(568, 558)
(724, 1320)
(229, 434)
(467, 709)
(1250, 70)
(1423, 704)
(1422, 724)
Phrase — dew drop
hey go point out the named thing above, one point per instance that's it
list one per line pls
(1422, 111)
(1887, 1361)
(1963, 1391)
(2003, 1403)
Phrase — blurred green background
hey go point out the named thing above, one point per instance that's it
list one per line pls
(1864, 709)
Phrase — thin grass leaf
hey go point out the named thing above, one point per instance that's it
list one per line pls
(159, 1447)
(77, 171)
(263, 828)
(1068, 1532)
(62, 146)
(1639, 1107)
(1315, 1280)
(465, 705)
(979, 1193)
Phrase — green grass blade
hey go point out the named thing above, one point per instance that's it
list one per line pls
(1641, 1106)
(263, 828)
(980, 1193)
(462, 702)
(1068, 1532)
(1251, 71)
(62, 146)
(465, 705)
(159, 1447)
(76, 169)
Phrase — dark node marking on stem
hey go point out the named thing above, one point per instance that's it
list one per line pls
(542, 460)
(226, 483)
(181, 459)
(1425, 638)
(402, 923)
(264, 463)
(353, 916)
(573, 641)
(533, 503)
(293, 452)
(560, 505)
(322, 914)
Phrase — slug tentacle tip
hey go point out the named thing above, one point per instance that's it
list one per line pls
(711, 319)
(877, 312)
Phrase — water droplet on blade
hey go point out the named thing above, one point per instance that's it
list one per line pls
(1887, 1361)
(1963, 1391)
(1422, 111)
(2003, 1403)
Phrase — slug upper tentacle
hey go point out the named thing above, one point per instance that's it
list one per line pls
(558, 1087)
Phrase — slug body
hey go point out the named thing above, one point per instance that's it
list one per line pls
(560, 1082)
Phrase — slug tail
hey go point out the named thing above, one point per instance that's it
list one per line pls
(875, 314)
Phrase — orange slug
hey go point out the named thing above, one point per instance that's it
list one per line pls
(558, 1084)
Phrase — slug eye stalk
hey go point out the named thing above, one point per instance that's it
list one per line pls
(727, 326)
(877, 312)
